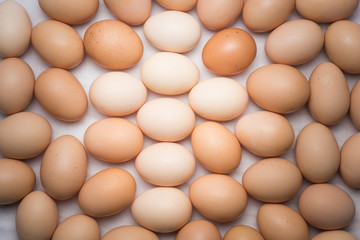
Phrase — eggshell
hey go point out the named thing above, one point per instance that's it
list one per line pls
(218, 197)
(162, 209)
(329, 99)
(36, 216)
(219, 99)
(113, 44)
(177, 5)
(117, 93)
(279, 88)
(199, 230)
(350, 162)
(166, 119)
(317, 153)
(61, 94)
(334, 235)
(165, 164)
(294, 42)
(216, 147)
(77, 227)
(113, 139)
(58, 44)
(326, 206)
(68, 11)
(218, 14)
(15, 25)
(242, 232)
(172, 31)
(264, 133)
(107, 192)
(169, 73)
(24, 135)
(134, 12)
(342, 45)
(325, 11)
(130, 232)
(272, 180)
(265, 15)
(354, 103)
(16, 85)
(17, 179)
(229, 51)
(280, 222)
(63, 167)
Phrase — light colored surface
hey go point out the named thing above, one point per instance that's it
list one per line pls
(88, 71)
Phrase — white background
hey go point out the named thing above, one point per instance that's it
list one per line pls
(87, 71)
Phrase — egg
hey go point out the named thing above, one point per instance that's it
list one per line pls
(294, 42)
(113, 44)
(272, 180)
(218, 14)
(326, 206)
(165, 164)
(169, 73)
(216, 147)
(334, 235)
(36, 216)
(166, 119)
(329, 99)
(177, 5)
(16, 85)
(264, 133)
(219, 99)
(113, 139)
(350, 164)
(132, 232)
(317, 153)
(17, 179)
(64, 167)
(172, 31)
(133, 12)
(325, 11)
(77, 227)
(242, 232)
(15, 25)
(342, 45)
(107, 192)
(24, 135)
(218, 197)
(229, 51)
(354, 102)
(265, 15)
(58, 44)
(117, 93)
(61, 94)
(278, 221)
(199, 230)
(70, 12)
(162, 209)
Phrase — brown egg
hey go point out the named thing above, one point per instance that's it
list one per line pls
(36, 216)
(199, 230)
(133, 12)
(216, 147)
(113, 44)
(354, 103)
(177, 5)
(350, 162)
(326, 206)
(242, 232)
(218, 197)
(329, 99)
(70, 12)
(107, 192)
(113, 139)
(280, 222)
(24, 135)
(61, 94)
(58, 44)
(130, 232)
(334, 235)
(16, 85)
(229, 51)
(17, 179)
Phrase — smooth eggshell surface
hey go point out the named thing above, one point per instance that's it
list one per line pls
(131, 232)
(162, 209)
(354, 103)
(177, 5)
(134, 12)
(107, 192)
(242, 232)
(199, 230)
(334, 235)
(350, 162)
